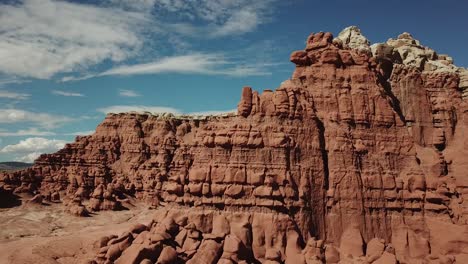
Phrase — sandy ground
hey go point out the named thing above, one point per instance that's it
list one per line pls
(47, 234)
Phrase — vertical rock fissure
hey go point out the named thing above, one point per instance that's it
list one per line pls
(324, 153)
(395, 101)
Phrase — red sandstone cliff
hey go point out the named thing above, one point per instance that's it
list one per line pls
(359, 158)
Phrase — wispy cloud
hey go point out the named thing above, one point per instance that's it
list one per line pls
(158, 110)
(44, 120)
(29, 149)
(34, 131)
(128, 93)
(242, 21)
(238, 22)
(213, 112)
(135, 5)
(39, 38)
(195, 63)
(5, 80)
(137, 108)
(64, 93)
(14, 95)
(81, 133)
(222, 18)
(26, 132)
(199, 63)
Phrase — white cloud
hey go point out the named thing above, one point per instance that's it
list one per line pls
(159, 110)
(240, 22)
(221, 17)
(29, 149)
(216, 11)
(33, 131)
(11, 80)
(195, 63)
(245, 70)
(26, 132)
(42, 38)
(138, 108)
(208, 64)
(28, 158)
(128, 93)
(14, 95)
(80, 78)
(63, 93)
(214, 112)
(39, 38)
(45, 120)
(81, 133)
(137, 5)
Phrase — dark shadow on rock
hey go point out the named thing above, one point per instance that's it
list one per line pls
(8, 199)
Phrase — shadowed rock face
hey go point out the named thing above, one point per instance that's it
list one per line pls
(358, 158)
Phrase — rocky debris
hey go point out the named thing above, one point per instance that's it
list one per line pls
(375, 249)
(55, 197)
(195, 236)
(37, 199)
(332, 255)
(386, 258)
(358, 157)
(173, 237)
(314, 252)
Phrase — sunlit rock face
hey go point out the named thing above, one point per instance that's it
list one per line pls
(360, 157)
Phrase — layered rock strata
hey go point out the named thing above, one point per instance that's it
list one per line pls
(358, 158)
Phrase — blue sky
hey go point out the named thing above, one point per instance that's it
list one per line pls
(64, 64)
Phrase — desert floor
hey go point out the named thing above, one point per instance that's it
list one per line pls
(47, 234)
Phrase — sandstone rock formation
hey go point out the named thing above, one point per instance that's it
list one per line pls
(358, 158)
(211, 236)
(352, 38)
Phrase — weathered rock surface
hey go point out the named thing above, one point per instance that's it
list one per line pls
(414, 54)
(358, 158)
(351, 37)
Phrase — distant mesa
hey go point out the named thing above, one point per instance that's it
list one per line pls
(13, 165)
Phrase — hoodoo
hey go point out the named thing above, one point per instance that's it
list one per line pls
(360, 157)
